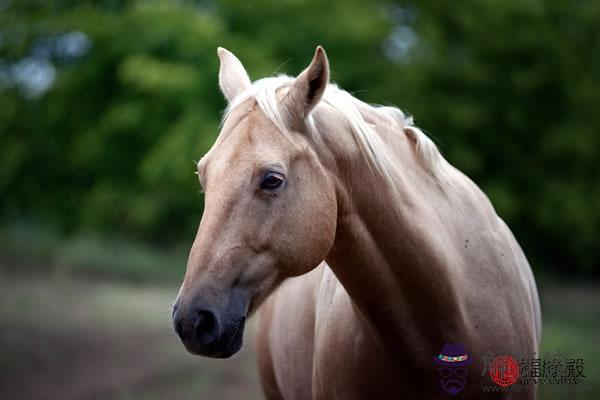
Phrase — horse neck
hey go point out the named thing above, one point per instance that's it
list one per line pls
(389, 247)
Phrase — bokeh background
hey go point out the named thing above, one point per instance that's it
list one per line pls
(105, 106)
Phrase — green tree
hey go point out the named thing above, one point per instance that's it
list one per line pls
(104, 105)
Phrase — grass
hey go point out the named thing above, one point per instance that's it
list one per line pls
(73, 338)
(571, 326)
(87, 317)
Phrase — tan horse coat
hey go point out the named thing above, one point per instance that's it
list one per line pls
(418, 256)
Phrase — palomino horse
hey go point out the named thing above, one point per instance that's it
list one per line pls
(417, 260)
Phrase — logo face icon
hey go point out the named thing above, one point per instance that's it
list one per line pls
(504, 371)
(453, 362)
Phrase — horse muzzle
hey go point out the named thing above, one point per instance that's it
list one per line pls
(206, 332)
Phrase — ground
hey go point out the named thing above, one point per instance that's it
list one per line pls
(77, 339)
(67, 338)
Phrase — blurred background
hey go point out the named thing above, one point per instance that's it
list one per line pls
(106, 105)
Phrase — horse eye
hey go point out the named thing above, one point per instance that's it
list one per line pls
(272, 181)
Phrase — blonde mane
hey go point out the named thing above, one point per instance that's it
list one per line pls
(265, 92)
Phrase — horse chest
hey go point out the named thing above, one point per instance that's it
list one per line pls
(348, 362)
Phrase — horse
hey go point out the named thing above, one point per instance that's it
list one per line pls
(364, 251)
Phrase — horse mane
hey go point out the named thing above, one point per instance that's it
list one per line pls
(264, 91)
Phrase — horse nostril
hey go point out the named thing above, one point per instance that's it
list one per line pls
(206, 326)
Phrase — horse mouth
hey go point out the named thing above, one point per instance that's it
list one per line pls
(233, 340)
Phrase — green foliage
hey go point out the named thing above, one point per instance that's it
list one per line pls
(509, 89)
(31, 249)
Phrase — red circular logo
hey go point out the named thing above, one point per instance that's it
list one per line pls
(504, 371)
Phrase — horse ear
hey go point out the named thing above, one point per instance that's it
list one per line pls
(308, 88)
(233, 78)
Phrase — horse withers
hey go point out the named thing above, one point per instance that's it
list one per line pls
(371, 255)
